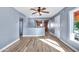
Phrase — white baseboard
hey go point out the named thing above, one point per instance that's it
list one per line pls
(70, 46)
(65, 43)
(32, 35)
(9, 45)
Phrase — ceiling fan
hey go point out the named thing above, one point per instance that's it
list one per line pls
(39, 10)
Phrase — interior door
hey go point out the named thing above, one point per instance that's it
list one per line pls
(20, 27)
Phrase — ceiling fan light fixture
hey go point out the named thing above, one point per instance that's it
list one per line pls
(39, 10)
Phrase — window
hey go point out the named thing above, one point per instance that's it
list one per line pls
(76, 25)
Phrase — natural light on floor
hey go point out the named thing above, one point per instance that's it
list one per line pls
(53, 44)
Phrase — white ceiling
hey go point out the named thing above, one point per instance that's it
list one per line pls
(27, 12)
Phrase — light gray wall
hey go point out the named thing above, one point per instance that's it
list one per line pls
(9, 25)
(25, 25)
(29, 28)
(64, 23)
(28, 23)
(54, 26)
(64, 33)
(31, 23)
(64, 27)
(50, 28)
(57, 26)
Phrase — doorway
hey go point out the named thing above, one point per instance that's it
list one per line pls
(20, 27)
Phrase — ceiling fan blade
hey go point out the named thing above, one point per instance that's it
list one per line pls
(44, 11)
(34, 13)
(33, 9)
(43, 8)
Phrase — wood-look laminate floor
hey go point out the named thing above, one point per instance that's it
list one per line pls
(48, 43)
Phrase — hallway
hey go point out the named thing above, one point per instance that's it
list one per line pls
(22, 22)
(48, 43)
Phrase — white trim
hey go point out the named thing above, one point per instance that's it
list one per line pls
(32, 35)
(69, 46)
(9, 45)
(71, 20)
(65, 43)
